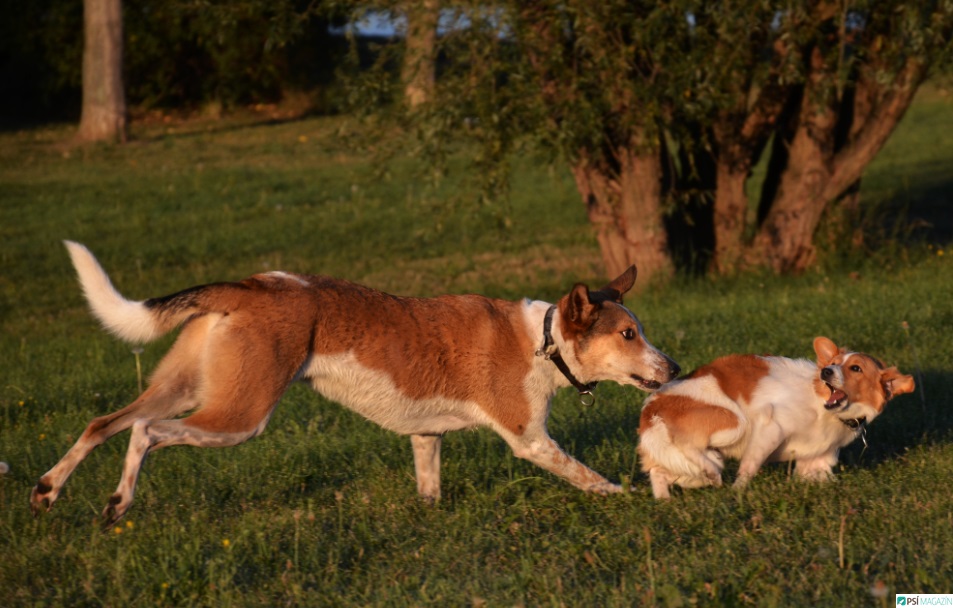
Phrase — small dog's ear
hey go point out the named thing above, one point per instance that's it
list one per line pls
(825, 349)
(617, 288)
(895, 383)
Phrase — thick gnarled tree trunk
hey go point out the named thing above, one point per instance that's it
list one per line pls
(740, 133)
(624, 205)
(786, 238)
(103, 115)
(818, 171)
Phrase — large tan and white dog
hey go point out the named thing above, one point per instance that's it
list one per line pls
(416, 366)
(761, 409)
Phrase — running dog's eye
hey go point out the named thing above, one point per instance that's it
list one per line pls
(628, 334)
(855, 368)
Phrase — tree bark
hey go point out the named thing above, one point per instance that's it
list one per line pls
(103, 116)
(624, 205)
(843, 219)
(730, 214)
(817, 172)
(419, 68)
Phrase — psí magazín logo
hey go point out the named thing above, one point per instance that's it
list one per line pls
(922, 599)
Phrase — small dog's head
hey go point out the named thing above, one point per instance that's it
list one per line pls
(859, 384)
(607, 339)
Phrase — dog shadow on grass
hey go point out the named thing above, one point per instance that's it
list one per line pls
(922, 418)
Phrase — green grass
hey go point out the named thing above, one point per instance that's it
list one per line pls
(321, 509)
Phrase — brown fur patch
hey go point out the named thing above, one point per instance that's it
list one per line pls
(736, 375)
(687, 418)
(468, 348)
(862, 379)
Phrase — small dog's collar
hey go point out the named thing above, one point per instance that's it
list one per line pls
(550, 351)
(854, 423)
(859, 426)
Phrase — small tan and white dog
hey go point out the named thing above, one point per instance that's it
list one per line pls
(417, 366)
(762, 409)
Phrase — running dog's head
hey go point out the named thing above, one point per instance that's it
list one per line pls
(859, 385)
(607, 340)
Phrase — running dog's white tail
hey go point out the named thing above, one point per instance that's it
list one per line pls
(128, 320)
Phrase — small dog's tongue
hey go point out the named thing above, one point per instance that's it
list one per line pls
(835, 398)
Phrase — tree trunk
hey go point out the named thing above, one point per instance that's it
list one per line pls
(843, 219)
(730, 214)
(419, 68)
(624, 204)
(818, 173)
(785, 241)
(103, 115)
(740, 134)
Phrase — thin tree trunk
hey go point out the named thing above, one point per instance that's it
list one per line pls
(103, 115)
(842, 220)
(419, 67)
(730, 215)
(624, 206)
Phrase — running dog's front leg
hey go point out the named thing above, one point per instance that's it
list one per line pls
(546, 453)
(427, 465)
(820, 468)
(764, 442)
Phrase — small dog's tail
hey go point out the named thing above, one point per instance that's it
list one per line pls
(128, 320)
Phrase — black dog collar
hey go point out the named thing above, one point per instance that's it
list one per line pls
(551, 352)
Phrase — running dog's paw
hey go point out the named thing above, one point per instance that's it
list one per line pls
(42, 498)
(114, 511)
(604, 488)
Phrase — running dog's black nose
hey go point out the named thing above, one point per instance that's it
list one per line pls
(826, 373)
(674, 369)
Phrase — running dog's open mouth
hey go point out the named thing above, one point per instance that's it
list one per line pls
(838, 398)
(646, 385)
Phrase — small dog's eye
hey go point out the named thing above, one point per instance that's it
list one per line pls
(855, 368)
(628, 334)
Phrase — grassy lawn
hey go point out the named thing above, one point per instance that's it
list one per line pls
(321, 509)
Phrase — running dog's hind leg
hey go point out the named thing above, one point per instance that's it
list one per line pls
(151, 404)
(149, 435)
(238, 397)
(171, 392)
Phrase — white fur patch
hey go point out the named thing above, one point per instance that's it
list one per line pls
(373, 394)
(126, 319)
(286, 276)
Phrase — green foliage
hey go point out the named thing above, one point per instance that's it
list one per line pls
(321, 508)
(700, 85)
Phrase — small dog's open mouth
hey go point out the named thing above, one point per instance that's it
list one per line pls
(647, 385)
(838, 398)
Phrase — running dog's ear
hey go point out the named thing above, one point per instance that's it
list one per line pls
(617, 288)
(825, 349)
(895, 383)
(577, 308)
